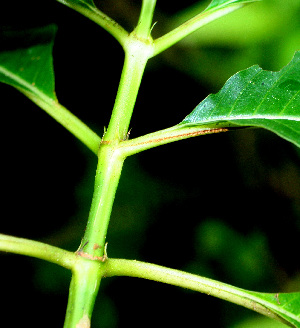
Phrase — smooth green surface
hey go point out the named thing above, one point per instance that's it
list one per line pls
(86, 278)
(282, 307)
(37, 249)
(287, 305)
(143, 28)
(29, 66)
(111, 160)
(254, 97)
(218, 4)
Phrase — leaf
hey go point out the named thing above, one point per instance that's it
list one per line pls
(28, 65)
(218, 4)
(255, 97)
(286, 305)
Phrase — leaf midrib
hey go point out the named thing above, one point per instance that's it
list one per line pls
(245, 117)
(27, 86)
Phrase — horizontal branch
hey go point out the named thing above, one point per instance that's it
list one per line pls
(132, 268)
(38, 250)
(163, 137)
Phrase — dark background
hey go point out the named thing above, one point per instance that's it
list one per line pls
(224, 206)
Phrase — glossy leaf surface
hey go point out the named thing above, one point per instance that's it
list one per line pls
(254, 97)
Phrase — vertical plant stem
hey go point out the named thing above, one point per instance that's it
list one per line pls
(136, 56)
(84, 287)
(143, 28)
(106, 182)
(110, 157)
(86, 278)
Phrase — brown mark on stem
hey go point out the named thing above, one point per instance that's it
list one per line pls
(183, 135)
(96, 246)
(91, 257)
(103, 142)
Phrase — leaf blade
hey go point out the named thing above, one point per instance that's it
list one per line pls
(29, 66)
(286, 305)
(255, 97)
(218, 4)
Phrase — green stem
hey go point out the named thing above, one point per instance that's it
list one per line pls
(97, 16)
(143, 28)
(37, 249)
(68, 120)
(86, 278)
(106, 182)
(163, 137)
(137, 53)
(132, 268)
(177, 34)
(84, 287)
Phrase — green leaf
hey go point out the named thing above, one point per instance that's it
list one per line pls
(218, 4)
(28, 65)
(286, 305)
(255, 97)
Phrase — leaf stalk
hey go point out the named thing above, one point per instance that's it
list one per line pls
(169, 39)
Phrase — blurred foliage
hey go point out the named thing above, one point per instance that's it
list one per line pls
(224, 206)
(259, 322)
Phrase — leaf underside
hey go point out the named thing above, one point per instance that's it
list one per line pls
(28, 65)
(286, 305)
(255, 97)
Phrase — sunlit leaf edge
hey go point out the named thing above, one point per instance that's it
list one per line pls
(225, 106)
(218, 4)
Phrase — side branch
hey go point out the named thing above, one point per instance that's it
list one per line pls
(163, 137)
(67, 119)
(132, 268)
(190, 26)
(97, 16)
(38, 250)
